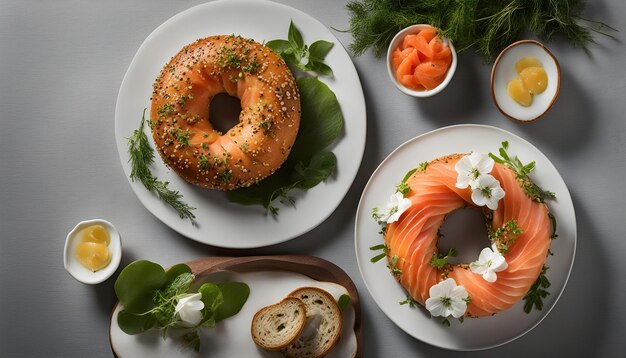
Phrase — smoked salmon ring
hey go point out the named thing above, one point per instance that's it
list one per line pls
(268, 123)
(412, 240)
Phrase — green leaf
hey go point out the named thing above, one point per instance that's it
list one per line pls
(319, 49)
(321, 68)
(408, 174)
(134, 324)
(235, 296)
(175, 271)
(212, 298)
(136, 284)
(294, 36)
(378, 257)
(321, 122)
(344, 302)
(321, 167)
(279, 46)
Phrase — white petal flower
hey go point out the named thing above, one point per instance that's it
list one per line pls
(487, 192)
(446, 298)
(470, 168)
(396, 206)
(489, 262)
(189, 308)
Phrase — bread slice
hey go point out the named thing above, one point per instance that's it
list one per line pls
(323, 327)
(276, 326)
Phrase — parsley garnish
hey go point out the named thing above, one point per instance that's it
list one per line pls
(534, 297)
(522, 171)
(141, 157)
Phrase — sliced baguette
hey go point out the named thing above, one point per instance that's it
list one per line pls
(276, 326)
(324, 323)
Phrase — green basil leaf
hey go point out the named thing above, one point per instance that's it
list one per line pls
(294, 36)
(175, 271)
(321, 68)
(319, 49)
(136, 284)
(235, 296)
(211, 297)
(134, 324)
(321, 167)
(279, 46)
(321, 120)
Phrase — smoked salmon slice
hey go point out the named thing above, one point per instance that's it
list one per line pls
(412, 240)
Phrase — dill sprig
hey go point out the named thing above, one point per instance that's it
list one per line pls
(487, 26)
(141, 157)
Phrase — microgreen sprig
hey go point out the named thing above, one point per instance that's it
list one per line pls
(294, 51)
(522, 171)
(141, 157)
(439, 260)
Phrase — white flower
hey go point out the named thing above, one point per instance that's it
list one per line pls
(470, 168)
(396, 206)
(489, 262)
(446, 298)
(487, 192)
(189, 308)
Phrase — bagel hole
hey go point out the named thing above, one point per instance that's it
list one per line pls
(465, 231)
(224, 112)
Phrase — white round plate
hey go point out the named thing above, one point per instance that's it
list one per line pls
(220, 222)
(231, 337)
(479, 333)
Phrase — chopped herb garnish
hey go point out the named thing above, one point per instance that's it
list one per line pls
(203, 162)
(225, 175)
(165, 109)
(422, 167)
(439, 260)
(393, 265)
(534, 297)
(505, 236)
(403, 188)
(409, 301)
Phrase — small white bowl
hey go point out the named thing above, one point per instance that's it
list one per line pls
(413, 29)
(78, 271)
(504, 71)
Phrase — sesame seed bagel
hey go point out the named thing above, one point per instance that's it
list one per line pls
(268, 123)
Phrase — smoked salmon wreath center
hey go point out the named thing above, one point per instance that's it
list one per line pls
(412, 240)
(268, 123)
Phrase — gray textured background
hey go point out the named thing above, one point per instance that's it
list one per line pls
(61, 65)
